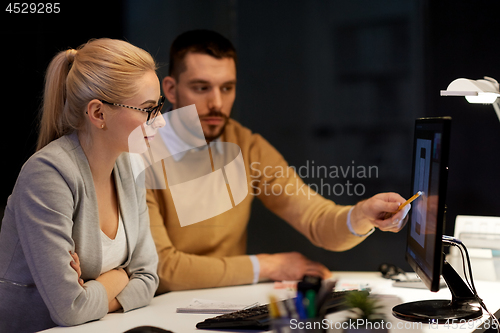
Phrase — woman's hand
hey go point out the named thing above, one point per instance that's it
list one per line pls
(114, 282)
(75, 264)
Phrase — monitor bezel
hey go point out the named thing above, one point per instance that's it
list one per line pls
(432, 280)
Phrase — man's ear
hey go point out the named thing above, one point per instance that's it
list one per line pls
(169, 85)
(95, 113)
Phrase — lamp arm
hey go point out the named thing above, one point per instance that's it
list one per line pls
(496, 106)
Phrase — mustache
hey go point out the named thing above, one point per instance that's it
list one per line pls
(214, 113)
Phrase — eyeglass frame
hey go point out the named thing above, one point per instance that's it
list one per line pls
(155, 109)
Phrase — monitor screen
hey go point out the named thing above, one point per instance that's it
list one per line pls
(429, 175)
(424, 250)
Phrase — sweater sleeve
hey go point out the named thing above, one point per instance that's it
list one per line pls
(43, 209)
(283, 192)
(181, 271)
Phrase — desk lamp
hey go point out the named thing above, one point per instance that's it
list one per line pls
(484, 91)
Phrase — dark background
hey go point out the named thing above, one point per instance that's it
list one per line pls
(334, 83)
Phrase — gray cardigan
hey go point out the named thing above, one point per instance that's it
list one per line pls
(53, 210)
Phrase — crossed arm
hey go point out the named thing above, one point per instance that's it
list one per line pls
(114, 281)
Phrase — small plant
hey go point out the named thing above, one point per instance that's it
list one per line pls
(364, 307)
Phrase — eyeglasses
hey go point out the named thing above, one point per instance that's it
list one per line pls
(153, 112)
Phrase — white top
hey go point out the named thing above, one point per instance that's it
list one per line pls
(114, 251)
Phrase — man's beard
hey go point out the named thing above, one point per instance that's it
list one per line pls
(212, 113)
(214, 133)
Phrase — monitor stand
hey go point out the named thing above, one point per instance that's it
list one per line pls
(443, 311)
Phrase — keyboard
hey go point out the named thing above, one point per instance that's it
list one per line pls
(257, 318)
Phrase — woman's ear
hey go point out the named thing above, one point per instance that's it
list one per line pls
(95, 113)
(169, 86)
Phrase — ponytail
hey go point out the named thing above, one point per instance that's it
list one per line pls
(54, 97)
(100, 69)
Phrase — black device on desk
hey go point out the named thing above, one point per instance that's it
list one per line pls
(424, 250)
(258, 318)
(147, 329)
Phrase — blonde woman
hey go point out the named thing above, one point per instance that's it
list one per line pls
(75, 241)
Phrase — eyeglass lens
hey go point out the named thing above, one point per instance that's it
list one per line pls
(153, 114)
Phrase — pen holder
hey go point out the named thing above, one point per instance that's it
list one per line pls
(290, 325)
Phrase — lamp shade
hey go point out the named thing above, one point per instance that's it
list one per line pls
(483, 91)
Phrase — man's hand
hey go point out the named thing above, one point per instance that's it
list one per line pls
(372, 213)
(289, 266)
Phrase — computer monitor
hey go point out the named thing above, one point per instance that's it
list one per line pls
(424, 250)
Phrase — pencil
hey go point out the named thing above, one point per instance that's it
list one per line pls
(419, 193)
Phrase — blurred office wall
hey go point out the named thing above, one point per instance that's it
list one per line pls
(328, 83)
(460, 45)
(29, 42)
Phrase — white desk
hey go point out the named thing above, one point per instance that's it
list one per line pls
(489, 291)
(162, 310)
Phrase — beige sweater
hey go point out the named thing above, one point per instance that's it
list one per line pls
(212, 253)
